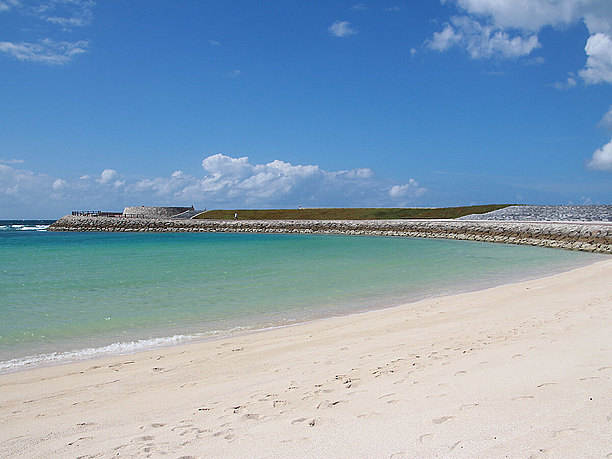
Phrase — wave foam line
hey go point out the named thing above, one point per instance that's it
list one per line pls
(126, 347)
(119, 348)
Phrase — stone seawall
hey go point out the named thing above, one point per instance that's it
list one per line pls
(589, 237)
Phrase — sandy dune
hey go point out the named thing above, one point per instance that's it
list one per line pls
(522, 370)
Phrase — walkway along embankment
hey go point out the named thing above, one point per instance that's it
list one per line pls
(588, 236)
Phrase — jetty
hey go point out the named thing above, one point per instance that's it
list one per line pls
(589, 236)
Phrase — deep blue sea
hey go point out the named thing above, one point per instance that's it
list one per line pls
(68, 296)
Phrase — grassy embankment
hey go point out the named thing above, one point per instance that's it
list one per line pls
(348, 213)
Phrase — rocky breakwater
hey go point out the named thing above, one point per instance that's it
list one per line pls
(590, 237)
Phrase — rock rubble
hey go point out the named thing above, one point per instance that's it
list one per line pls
(548, 214)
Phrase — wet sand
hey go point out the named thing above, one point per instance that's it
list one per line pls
(521, 370)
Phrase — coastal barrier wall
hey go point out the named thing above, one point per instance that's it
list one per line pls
(589, 237)
(154, 212)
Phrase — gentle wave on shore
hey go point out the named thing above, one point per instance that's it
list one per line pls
(68, 296)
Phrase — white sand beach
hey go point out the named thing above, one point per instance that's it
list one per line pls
(521, 370)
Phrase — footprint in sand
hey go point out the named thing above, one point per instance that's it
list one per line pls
(522, 397)
(329, 404)
(145, 438)
(424, 437)
(565, 432)
(79, 439)
(547, 384)
(468, 405)
(454, 445)
(442, 419)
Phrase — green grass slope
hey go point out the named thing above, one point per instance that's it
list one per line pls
(349, 213)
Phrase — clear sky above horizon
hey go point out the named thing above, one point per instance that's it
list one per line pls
(243, 104)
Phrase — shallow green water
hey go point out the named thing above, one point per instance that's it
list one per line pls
(96, 293)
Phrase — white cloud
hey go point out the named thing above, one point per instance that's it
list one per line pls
(46, 51)
(602, 158)
(606, 120)
(514, 24)
(392, 9)
(58, 184)
(445, 39)
(526, 14)
(359, 7)
(66, 13)
(12, 161)
(410, 189)
(214, 43)
(569, 83)
(6, 5)
(599, 60)
(23, 184)
(342, 29)
(107, 176)
(482, 41)
(223, 181)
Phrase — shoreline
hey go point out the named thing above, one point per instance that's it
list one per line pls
(182, 338)
(406, 379)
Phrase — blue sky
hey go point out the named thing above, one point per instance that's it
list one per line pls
(286, 103)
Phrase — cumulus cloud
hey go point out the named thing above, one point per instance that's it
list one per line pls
(514, 25)
(569, 83)
(342, 29)
(606, 120)
(410, 189)
(222, 181)
(482, 41)
(58, 184)
(526, 14)
(23, 185)
(599, 60)
(602, 158)
(231, 180)
(46, 51)
(107, 176)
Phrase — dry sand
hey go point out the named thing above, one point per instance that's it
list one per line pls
(521, 370)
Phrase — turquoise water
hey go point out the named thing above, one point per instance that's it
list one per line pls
(65, 296)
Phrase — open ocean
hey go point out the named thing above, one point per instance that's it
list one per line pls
(69, 296)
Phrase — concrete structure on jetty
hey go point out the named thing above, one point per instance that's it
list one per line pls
(585, 236)
(142, 212)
